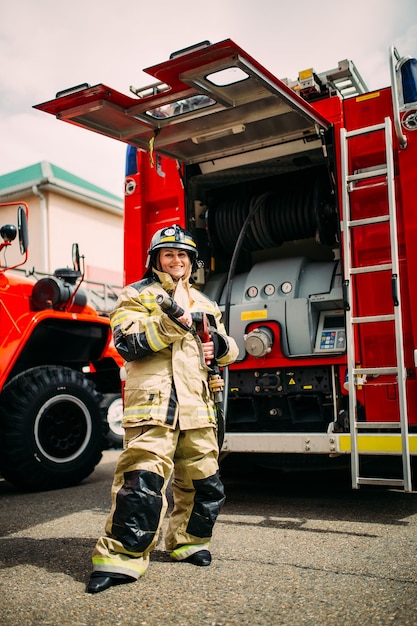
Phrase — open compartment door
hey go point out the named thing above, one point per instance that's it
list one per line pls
(209, 103)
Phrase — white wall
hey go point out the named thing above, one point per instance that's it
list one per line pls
(98, 232)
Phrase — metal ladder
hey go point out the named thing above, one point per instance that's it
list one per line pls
(350, 180)
(345, 78)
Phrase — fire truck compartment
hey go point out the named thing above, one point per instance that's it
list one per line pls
(280, 400)
(303, 296)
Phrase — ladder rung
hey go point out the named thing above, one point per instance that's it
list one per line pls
(381, 183)
(393, 482)
(371, 268)
(369, 220)
(379, 425)
(375, 173)
(372, 318)
(365, 130)
(381, 371)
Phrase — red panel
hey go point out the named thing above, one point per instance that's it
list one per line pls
(371, 245)
(407, 196)
(330, 108)
(157, 200)
(381, 402)
(86, 97)
(367, 109)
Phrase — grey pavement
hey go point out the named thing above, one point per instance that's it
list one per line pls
(291, 550)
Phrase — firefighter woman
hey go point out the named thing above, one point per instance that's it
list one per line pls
(169, 418)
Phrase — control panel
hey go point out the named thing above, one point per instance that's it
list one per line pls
(331, 332)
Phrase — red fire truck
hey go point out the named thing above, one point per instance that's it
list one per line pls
(301, 196)
(59, 372)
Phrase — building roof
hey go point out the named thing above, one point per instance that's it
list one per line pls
(50, 177)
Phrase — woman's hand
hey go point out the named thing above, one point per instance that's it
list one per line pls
(208, 351)
(186, 319)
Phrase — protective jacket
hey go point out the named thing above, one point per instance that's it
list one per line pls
(167, 379)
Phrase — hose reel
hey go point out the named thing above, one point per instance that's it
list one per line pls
(299, 211)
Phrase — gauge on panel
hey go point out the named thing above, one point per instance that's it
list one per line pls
(269, 289)
(252, 292)
(286, 287)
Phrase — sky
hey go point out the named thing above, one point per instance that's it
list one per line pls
(50, 45)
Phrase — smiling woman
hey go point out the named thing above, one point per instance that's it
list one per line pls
(169, 417)
(174, 262)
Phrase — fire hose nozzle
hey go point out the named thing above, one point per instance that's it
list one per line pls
(169, 306)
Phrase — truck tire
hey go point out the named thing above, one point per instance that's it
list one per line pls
(113, 408)
(51, 428)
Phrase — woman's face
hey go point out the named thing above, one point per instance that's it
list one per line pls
(174, 262)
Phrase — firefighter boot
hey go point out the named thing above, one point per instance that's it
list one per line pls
(201, 558)
(100, 581)
(197, 554)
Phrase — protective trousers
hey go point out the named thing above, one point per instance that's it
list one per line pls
(139, 502)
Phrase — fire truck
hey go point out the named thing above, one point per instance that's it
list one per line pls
(58, 369)
(301, 196)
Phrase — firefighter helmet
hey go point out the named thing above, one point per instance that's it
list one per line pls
(172, 237)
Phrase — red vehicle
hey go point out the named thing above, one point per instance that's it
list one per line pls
(56, 362)
(301, 196)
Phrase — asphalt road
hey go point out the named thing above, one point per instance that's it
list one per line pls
(292, 550)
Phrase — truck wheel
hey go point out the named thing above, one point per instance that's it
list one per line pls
(113, 408)
(51, 428)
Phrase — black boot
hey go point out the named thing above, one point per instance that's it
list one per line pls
(100, 581)
(201, 558)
